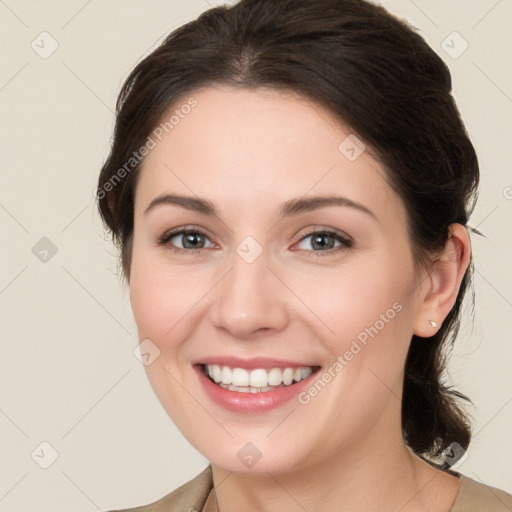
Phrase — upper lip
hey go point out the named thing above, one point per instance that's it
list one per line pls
(251, 364)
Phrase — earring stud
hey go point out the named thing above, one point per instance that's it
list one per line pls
(433, 323)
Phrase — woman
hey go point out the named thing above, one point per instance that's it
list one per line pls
(289, 185)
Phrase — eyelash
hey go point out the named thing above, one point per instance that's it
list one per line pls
(345, 241)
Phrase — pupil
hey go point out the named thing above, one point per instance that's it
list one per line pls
(316, 241)
(189, 238)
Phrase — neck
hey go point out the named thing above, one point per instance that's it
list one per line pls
(374, 476)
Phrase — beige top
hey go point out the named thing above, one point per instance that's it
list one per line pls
(193, 496)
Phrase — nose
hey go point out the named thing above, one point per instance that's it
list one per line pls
(251, 300)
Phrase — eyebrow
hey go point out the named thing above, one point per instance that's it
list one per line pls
(288, 209)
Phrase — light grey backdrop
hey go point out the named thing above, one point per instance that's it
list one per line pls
(69, 378)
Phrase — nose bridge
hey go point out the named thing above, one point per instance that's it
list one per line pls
(250, 297)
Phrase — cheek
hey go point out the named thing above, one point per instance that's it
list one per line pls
(162, 297)
(149, 300)
(368, 316)
(350, 301)
(161, 301)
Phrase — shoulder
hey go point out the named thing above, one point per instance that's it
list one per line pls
(190, 497)
(475, 496)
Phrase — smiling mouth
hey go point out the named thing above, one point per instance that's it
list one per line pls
(258, 380)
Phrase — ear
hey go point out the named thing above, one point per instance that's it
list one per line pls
(441, 284)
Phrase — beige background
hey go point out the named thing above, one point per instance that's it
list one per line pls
(68, 374)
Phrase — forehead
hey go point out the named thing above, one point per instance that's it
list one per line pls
(238, 146)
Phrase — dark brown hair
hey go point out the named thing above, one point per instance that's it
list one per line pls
(377, 76)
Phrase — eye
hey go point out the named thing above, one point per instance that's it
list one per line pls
(192, 240)
(324, 242)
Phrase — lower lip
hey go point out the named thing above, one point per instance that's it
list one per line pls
(250, 403)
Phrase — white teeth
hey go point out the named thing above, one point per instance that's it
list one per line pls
(259, 378)
(242, 389)
(216, 373)
(275, 377)
(240, 377)
(249, 389)
(288, 376)
(254, 381)
(226, 375)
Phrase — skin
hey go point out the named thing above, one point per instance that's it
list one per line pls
(247, 152)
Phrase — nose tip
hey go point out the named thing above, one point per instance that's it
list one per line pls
(244, 329)
(250, 301)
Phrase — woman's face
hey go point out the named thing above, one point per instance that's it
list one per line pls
(259, 285)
